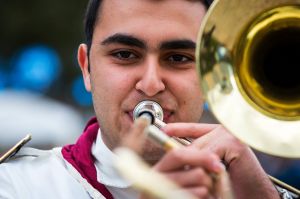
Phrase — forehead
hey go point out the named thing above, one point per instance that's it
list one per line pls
(191, 8)
(159, 5)
(150, 15)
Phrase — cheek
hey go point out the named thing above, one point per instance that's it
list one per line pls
(188, 87)
(110, 87)
(110, 80)
(188, 92)
(195, 92)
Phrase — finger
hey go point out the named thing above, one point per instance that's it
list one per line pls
(216, 141)
(191, 130)
(179, 158)
(135, 137)
(192, 178)
(138, 127)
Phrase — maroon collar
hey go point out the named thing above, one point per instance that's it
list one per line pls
(79, 155)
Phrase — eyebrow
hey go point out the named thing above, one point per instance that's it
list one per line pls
(130, 40)
(124, 39)
(178, 44)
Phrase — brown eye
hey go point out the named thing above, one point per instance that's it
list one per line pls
(124, 55)
(178, 58)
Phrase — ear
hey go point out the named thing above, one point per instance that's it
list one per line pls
(83, 61)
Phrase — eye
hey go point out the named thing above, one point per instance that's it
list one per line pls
(124, 55)
(179, 58)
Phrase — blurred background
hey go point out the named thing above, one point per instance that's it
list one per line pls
(41, 88)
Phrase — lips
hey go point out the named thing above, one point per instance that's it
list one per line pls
(167, 116)
(130, 113)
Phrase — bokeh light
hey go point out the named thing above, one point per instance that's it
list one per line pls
(2, 80)
(80, 95)
(3, 75)
(35, 68)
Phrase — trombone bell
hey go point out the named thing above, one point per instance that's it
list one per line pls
(248, 60)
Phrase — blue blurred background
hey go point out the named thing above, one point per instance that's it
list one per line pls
(41, 88)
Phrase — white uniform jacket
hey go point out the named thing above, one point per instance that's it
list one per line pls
(45, 172)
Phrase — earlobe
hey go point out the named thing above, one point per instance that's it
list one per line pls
(83, 61)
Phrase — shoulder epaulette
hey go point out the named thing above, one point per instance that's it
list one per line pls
(14, 150)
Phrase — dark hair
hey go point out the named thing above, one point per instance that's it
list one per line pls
(91, 16)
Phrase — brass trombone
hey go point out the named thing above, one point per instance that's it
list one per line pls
(247, 58)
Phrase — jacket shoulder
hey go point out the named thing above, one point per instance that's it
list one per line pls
(32, 172)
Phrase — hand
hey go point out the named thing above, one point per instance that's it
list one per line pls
(191, 168)
(247, 176)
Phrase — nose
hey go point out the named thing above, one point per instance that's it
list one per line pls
(151, 82)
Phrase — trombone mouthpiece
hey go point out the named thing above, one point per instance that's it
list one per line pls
(151, 108)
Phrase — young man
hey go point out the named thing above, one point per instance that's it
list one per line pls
(138, 50)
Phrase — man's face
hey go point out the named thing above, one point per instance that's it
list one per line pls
(143, 49)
